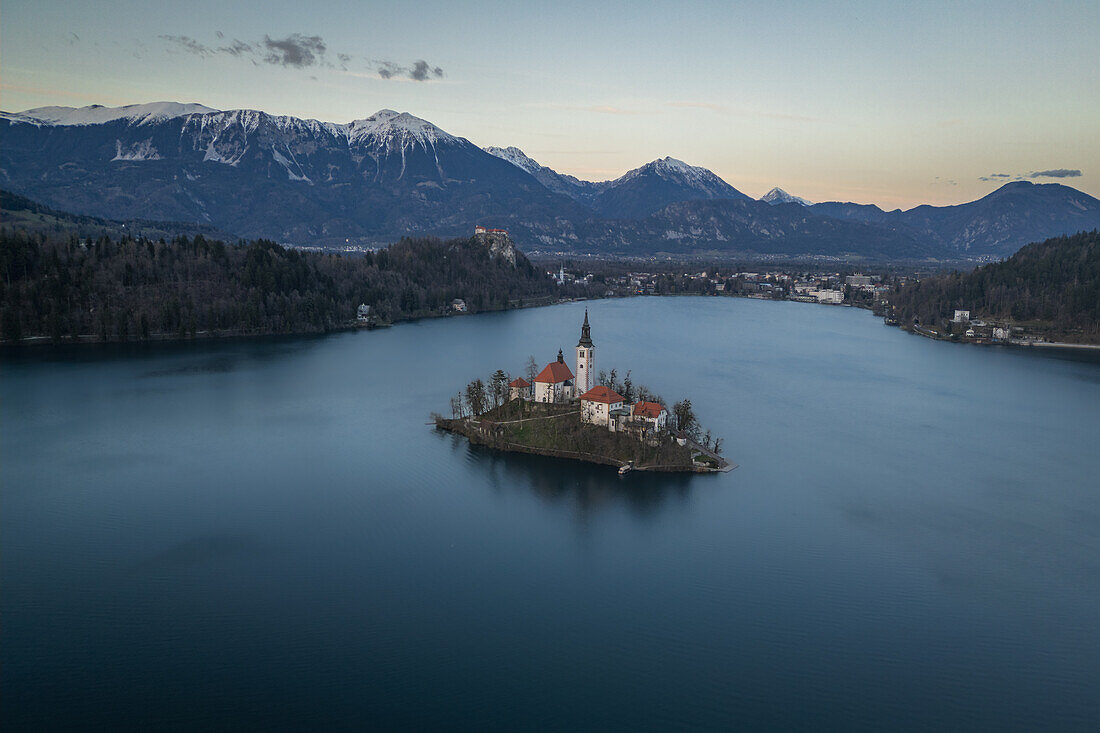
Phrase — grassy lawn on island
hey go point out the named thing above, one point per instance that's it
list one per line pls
(562, 430)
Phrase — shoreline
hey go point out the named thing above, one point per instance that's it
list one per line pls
(86, 339)
(462, 428)
(229, 334)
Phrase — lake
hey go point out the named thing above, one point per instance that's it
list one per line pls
(266, 534)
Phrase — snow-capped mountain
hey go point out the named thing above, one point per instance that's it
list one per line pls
(392, 174)
(779, 196)
(256, 174)
(97, 114)
(575, 188)
(655, 185)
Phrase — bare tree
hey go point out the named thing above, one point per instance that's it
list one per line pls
(532, 369)
(475, 397)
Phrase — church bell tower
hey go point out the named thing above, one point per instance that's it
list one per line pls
(586, 359)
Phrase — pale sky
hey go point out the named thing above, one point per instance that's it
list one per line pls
(855, 101)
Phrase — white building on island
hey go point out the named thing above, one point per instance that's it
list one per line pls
(652, 414)
(555, 382)
(520, 389)
(586, 358)
(599, 404)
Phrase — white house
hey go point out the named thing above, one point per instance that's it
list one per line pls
(555, 382)
(835, 297)
(597, 405)
(651, 414)
(363, 313)
(961, 317)
(520, 389)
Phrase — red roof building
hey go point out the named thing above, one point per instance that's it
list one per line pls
(519, 382)
(651, 410)
(555, 372)
(603, 394)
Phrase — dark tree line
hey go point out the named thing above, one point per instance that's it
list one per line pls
(1056, 282)
(134, 288)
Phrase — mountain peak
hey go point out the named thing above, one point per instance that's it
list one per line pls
(516, 157)
(388, 125)
(779, 196)
(97, 114)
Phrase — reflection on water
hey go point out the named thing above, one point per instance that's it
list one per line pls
(586, 488)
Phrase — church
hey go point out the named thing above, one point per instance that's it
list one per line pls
(600, 405)
(556, 383)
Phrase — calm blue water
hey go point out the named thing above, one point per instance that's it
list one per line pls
(266, 534)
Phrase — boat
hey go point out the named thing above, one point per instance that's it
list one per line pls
(625, 469)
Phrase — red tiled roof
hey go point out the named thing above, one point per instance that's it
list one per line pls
(519, 382)
(600, 393)
(555, 373)
(648, 409)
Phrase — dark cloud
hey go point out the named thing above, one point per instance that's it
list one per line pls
(420, 70)
(237, 48)
(1055, 173)
(1052, 173)
(189, 44)
(295, 50)
(298, 51)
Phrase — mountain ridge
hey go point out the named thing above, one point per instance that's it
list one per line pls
(392, 174)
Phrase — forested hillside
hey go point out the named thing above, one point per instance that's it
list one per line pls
(1052, 285)
(134, 288)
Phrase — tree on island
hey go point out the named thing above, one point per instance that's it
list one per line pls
(475, 397)
(531, 369)
(498, 385)
(685, 418)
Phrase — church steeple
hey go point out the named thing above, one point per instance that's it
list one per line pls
(586, 332)
(586, 358)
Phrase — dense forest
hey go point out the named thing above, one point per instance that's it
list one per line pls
(137, 288)
(1051, 286)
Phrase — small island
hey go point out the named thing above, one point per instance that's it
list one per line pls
(583, 416)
